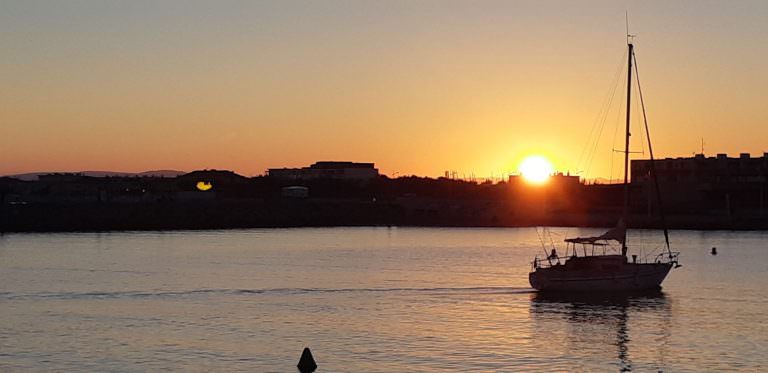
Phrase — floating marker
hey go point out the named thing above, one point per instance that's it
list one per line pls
(306, 362)
(714, 251)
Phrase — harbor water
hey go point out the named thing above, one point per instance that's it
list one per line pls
(372, 299)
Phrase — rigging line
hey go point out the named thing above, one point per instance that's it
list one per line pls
(653, 167)
(617, 124)
(604, 105)
(551, 241)
(597, 141)
(592, 154)
(638, 125)
(604, 109)
(613, 145)
(606, 112)
(543, 246)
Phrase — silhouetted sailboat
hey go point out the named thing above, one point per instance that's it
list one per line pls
(608, 272)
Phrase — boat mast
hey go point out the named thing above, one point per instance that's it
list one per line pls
(625, 210)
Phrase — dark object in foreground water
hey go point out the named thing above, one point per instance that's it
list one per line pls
(714, 251)
(306, 362)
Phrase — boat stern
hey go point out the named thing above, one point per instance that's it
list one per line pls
(534, 278)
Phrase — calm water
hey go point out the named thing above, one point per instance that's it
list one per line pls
(366, 300)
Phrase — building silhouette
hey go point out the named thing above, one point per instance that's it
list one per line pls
(327, 170)
(720, 184)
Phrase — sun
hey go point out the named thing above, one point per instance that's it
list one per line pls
(536, 169)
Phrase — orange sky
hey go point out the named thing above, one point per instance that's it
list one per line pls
(416, 87)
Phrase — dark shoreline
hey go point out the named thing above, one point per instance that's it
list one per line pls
(98, 217)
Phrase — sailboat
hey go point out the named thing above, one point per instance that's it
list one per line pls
(592, 268)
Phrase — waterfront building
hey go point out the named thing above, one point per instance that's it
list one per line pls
(328, 170)
(719, 184)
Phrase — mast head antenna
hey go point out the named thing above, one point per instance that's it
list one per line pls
(630, 37)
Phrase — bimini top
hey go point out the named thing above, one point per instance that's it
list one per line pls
(618, 234)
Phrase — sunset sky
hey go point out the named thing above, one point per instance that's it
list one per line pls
(418, 87)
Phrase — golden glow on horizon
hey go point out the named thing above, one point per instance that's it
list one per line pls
(419, 88)
(536, 169)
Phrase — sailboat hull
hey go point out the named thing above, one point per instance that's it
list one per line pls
(628, 277)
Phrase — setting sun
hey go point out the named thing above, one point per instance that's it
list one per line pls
(536, 169)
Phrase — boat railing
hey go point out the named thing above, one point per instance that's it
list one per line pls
(545, 262)
(573, 249)
(555, 260)
(667, 257)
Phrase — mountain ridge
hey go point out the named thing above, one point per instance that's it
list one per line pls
(31, 176)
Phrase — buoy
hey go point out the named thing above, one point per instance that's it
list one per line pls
(306, 362)
(714, 251)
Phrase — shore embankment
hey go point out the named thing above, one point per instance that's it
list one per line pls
(238, 214)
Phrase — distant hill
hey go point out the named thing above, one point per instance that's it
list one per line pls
(157, 173)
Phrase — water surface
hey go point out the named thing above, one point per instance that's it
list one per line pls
(367, 299)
